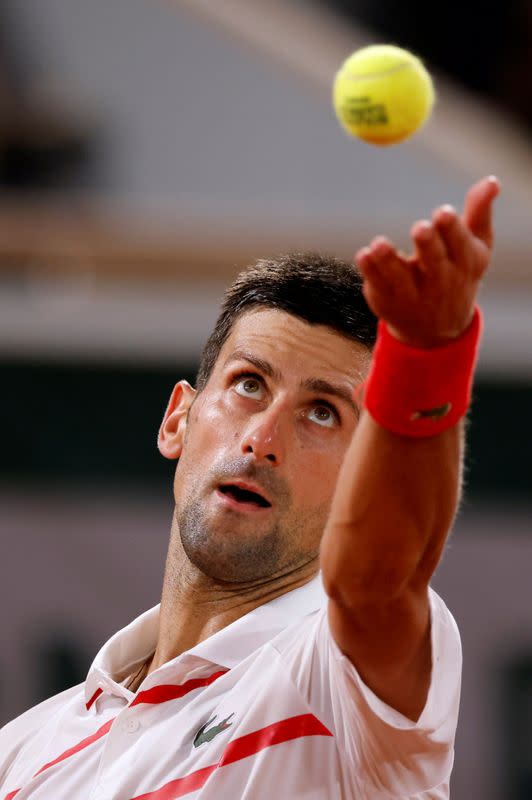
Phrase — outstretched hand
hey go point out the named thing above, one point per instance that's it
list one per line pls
(428, 298)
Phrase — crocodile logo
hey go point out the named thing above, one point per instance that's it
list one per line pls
(204, 735)
(432, 413)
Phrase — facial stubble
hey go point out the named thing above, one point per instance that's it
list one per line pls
(228, 555)
(233, 554)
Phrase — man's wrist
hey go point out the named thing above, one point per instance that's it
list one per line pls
(429, 341)
(420, 392)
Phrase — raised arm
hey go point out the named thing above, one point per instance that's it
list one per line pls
(397, 494)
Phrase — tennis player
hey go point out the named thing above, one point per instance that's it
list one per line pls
(298, 651)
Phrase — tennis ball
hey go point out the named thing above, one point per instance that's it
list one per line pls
(382, 94)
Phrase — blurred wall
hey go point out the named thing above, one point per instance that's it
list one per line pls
(191, 121)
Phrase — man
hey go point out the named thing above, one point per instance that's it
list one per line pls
(298, 650)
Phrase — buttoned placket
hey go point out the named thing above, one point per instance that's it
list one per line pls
(128, 723)
(222, 650)
(111, 693)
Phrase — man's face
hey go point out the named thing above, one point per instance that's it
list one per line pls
(263, 445)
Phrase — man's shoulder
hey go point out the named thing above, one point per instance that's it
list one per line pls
(15, 733)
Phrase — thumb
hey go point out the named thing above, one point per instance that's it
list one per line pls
(478, 208)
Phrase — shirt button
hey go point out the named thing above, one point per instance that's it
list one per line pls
(131, 726)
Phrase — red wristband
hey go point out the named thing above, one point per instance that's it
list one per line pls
(421, 392)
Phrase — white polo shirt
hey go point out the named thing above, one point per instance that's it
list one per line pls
(267, 707)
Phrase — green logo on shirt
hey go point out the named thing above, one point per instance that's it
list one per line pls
(432, 413)
(204, 735)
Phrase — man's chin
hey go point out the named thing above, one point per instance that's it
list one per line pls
(231, 548)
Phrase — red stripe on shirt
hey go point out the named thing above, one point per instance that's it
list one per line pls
(94, 697)
(181, 786)
(244, 746)
(282, 731)
(70, 752)
(160, 694)
(79, 746)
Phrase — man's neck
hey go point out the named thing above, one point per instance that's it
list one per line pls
(194, 607)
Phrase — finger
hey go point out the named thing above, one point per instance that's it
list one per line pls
(375, 287)
(388, 260)
(397, 272)
(456, 237)
(376, 255)
(478, 208)
(383, 252)
(430, 248)
(380, 265)
(363, 259)
(370, 268)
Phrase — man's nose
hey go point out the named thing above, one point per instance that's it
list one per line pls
(265, 436)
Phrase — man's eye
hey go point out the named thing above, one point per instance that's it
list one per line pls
(250, 387)
(323, 416)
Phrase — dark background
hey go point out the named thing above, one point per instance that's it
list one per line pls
(93, 424)
(485, 46)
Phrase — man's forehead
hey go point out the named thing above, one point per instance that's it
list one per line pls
(283, 337)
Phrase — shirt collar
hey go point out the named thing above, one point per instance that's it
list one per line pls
(129, 647)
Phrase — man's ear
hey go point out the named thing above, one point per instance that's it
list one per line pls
(172, 431)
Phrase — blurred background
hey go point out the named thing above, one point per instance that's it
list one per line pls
(150, 150)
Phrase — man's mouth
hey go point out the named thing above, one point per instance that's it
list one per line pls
(242, 497)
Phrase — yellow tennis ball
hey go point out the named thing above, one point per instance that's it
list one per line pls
(382, 94)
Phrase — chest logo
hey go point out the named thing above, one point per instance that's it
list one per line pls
(204, 735)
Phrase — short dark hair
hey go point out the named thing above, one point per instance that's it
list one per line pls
(319, 289)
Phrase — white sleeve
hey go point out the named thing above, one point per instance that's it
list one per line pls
(384, 751)
(18, 734)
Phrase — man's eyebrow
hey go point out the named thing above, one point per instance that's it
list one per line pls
(316, 385)
(259, 363)
(320, 386)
